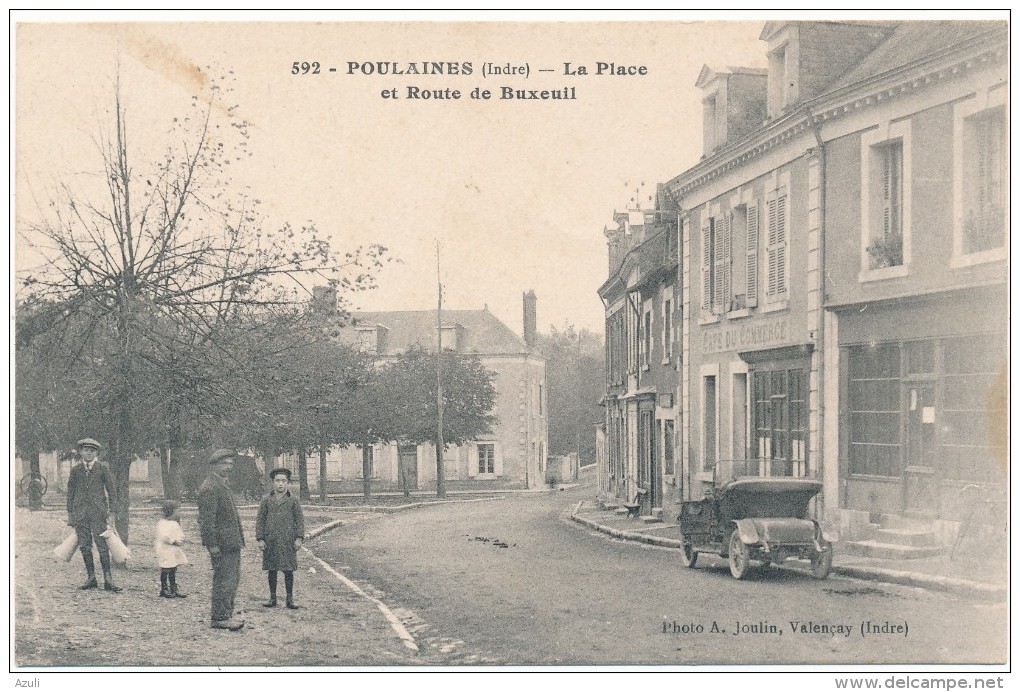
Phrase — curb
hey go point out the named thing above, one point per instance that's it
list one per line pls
(315, 533)
(930, 582)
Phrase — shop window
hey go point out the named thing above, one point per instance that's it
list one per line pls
(885, 202)
(874, 402)
(971, 441)
(780, 421)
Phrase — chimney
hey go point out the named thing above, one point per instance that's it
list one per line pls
(324, 299)
(530, 318)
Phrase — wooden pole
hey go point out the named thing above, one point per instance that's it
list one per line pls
(440, 471)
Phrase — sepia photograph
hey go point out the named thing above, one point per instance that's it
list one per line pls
(497, 342)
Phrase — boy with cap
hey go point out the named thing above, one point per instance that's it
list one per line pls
(223, 537)
(90, 493)
(279, 529)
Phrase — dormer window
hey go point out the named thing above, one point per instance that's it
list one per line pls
(711, 123)
(452, 335)
(779, 86)
(371, 338)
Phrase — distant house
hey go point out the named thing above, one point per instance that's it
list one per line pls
(513, 455)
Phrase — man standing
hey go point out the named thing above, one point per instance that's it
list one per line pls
(222, 536)
(90, 492)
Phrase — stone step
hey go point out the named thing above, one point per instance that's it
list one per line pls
(891, 551)
(906, 536)
(622, 511)
(656, 511)
(610, 506)
(651, 519)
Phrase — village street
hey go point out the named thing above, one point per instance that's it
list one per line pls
(513, 581)
(507, 581)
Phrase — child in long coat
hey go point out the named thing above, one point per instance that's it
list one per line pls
(279, 529)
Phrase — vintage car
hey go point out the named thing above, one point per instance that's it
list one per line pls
(756, 518)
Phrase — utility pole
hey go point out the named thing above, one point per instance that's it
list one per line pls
(440, 471)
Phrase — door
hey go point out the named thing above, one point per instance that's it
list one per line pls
(647, 468)
(407, 463)
(919, 496)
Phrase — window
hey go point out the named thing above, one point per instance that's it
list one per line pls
(368, 340)
(667, 330)
(615, 342)
(716, 265)
(486, 457)
(646, 337)
(669, 447)
(710, 124)
(885, 202)
(886, 249)
(981, 182)
(874, 400)
(710, 442)
(777, 250)
(777, 78)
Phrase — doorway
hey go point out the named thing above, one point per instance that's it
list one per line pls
(407, 465)
(919, 496)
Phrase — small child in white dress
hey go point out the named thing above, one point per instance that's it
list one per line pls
(169, 537)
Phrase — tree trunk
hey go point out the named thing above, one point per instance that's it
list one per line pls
(171, 474)
(122, 502)
(402, 471)
(322, 472)
(35, 494)
(366, 469)
(302, 465)
(440, 469)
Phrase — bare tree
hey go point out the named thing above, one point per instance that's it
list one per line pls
(170, 277)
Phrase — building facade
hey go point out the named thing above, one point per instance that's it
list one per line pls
(638, 453)
(513, 455)
(842, 283)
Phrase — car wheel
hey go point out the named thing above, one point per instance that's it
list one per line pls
(740, 556)
(688, 555)
(821, 561)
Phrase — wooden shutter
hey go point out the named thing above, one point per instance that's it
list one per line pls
(751, 291)
(706, 266)
(722, 277)
(770, 250)
(726, 250)
(497, 453)
(781, 236)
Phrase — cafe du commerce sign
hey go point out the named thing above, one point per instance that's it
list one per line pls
(747, 337)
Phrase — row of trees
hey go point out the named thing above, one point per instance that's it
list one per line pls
(157, 310)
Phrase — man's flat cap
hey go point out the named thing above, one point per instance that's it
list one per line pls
(221, 454)
(88, 442)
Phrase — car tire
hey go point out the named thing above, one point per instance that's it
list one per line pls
(821, 561)
(688, 555)
(739, 556)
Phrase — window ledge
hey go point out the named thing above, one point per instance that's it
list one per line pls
(708, 319)
(737, 314)
(774, 307)
(666, 361)
(975, 258)
(866, 275)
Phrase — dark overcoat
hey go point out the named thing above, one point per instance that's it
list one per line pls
(217, 516)
(89, 495)
(278, 523)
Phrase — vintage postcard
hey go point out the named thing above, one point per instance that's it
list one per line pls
(594, 342)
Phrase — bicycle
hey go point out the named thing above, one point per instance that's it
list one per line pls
(985, 513)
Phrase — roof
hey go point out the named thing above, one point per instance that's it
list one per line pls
(911, 42)
(482, 332)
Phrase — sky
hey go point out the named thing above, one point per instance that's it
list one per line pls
(516, 193)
